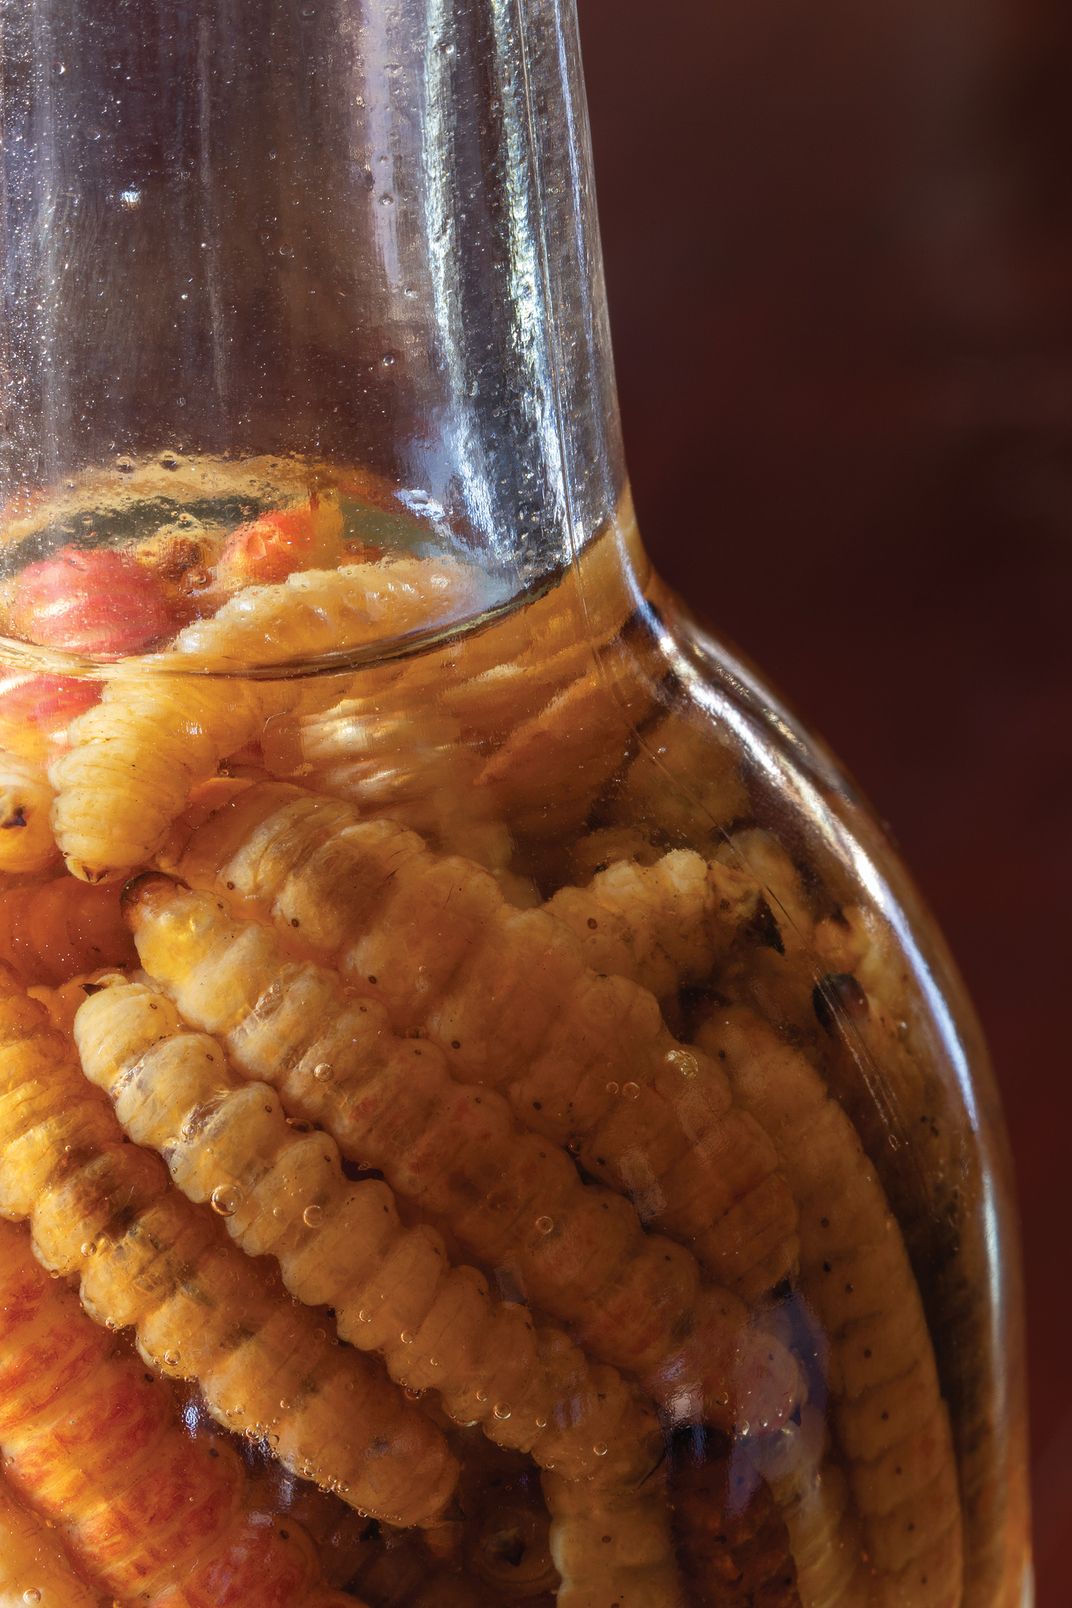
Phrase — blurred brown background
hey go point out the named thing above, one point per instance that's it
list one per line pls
(839, 254)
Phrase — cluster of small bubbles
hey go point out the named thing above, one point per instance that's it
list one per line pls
(313, 1216)
(226, 1199)
(323, 1071)
(545, 1224)
(501, 1410)
(683, 1061)
(631, 1091)
(612, 1087)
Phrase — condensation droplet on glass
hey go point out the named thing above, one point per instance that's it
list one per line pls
(313, 1216)
(501, 1410)
(323, 1071)
(545, 1224)
(631, 1091)
(226, 1199)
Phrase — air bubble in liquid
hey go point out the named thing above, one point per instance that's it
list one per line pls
(31, 1594)
(501, 1410)
(323, 1071)
(683, 1061)
(612, 1087)
(226, 1199)
(545, 1224)
(313, 1216)
(631, 1091)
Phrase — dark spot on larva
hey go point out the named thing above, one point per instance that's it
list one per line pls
(850, 1289)
(372, 980)
(213, 1451)
(606, 1540)
(91, 988)
(838, 993)
(762, 928)
(153, 1006)
(910, 1526)
(284, 1535)
(867, 1353)
(826, 1267)
(722, 1055)
(230, 887)
(592, 923)
(885, 1417)
(16, 818)
(824, 1222)
(537, 1105)
(455, 1044)
(294, 922)
(149, 1379)
(898, 1469)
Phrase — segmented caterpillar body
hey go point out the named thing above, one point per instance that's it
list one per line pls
(613, 1548)
(135, 757)
(91, 1439)
(106, 1212)
(34, 1565)
(583, 1058)
(887, 1409)
(340, 1244)
(510, 1196)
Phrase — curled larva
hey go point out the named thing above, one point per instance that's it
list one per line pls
(684, 783)
(888, 1414)
(26, 840)
(49, 931)
(613, 1548)
(665, 925)
(340, 1244)
(511, 1198)
(34, 1565)
(145, 1257)
(586, 1059)
(134, 758)
(546, 776)
(410, 765)
(93, 1442)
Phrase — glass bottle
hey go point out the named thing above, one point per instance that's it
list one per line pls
(507, 1126)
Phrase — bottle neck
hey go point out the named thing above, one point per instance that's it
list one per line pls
(358, 232)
